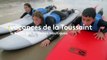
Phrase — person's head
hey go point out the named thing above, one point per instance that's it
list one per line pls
(38, 18)
(88, 16)
(27, 7)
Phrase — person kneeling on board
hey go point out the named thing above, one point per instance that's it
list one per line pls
(29, 10)
(55, 17)
(89, 17)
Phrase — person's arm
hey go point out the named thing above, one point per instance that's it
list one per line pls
(50, 22)
(74, 23)
(103, 23)
(53, 36)
(101, 34)
(49, 39)
(23, 15)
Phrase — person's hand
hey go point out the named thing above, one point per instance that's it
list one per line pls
(99, 35)
(74, 32)
(45, 43)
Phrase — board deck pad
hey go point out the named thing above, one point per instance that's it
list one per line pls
(84, 46)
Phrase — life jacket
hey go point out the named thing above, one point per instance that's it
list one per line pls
(42, 10)
(54, 15)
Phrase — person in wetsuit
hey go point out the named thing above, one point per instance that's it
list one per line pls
(29, 10)
(89, 17)
(54, 18)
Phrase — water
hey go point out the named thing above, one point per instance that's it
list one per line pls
(11, 10)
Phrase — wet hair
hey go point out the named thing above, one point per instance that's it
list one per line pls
(27, 4)
(89, 12)
(39, 15)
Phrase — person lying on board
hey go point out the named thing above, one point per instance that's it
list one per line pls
(89, 17)
(53, 18)
(29, 10)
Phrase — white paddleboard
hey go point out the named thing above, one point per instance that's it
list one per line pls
(27, 38)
